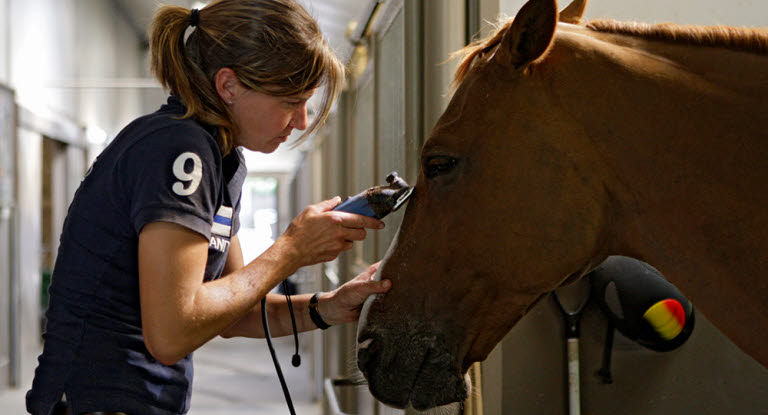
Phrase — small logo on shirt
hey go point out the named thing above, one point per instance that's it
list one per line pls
(221, 228)
(222, 222)
(218, 243)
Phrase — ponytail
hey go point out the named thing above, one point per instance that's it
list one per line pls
(183, 77)
(273, 46)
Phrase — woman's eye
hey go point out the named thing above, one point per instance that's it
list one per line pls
(436, 166)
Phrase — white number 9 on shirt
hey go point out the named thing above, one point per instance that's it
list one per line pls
(193, 177)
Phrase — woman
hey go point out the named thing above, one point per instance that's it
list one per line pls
(150, 267)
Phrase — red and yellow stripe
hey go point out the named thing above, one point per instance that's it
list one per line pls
(667, 317)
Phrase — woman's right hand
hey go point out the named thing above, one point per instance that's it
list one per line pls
(319, 234)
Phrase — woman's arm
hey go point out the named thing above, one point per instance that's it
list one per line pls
(180, 313)
(336, 307)
(277, 307)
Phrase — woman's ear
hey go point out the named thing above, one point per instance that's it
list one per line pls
(531, 32)
(227, 85)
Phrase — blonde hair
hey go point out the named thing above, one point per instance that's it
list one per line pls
(273, 46)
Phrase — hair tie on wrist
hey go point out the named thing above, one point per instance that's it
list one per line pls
(194, 19)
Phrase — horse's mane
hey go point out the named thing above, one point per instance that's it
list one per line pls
(735, 38)
(741, 39)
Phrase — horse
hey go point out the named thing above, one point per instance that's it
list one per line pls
(566, 142)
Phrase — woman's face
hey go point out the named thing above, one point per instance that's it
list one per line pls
(265, 121)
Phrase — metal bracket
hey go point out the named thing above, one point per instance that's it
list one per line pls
(330, 392)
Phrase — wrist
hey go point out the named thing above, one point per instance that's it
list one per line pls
(286, 253)
(314, 312)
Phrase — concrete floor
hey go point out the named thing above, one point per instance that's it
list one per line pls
(237, 376)
(233, 377)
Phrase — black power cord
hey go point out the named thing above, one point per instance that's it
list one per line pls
(296, 360)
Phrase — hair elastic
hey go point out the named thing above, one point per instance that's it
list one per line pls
(194, 19)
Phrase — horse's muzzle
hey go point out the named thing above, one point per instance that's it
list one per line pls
(413, 370)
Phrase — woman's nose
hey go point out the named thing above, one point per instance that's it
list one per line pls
(299, 120)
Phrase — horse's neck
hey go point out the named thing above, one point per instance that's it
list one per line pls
(688, 132)
(683, 135)
(688, 119)
(686, 113)
(740, 72)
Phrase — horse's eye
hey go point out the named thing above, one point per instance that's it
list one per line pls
(438, 165)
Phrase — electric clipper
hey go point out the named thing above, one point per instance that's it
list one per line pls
(378, 201)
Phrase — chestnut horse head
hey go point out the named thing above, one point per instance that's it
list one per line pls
(563, 144)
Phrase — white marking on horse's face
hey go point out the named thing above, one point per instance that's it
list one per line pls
(364, 344)
(468, 381)
(376, 277)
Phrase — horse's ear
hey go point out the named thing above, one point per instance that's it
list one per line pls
(531, 32)
(574, 12)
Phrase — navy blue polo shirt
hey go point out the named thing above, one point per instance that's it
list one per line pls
(159, 168)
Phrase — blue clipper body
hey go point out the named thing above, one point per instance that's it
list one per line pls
(356, 204)
(378, 201)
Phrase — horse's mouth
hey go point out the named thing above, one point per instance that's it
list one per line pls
(437, 384)
(420, 377)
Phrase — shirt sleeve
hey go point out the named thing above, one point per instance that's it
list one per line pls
(172, 176)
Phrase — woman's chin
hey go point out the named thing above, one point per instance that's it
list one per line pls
(271, 147)
(266, 148)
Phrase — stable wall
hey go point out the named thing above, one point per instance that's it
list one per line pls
(63, 56)
(392, 100)
(28, 254)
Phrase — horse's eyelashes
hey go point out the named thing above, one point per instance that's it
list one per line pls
(438, 165)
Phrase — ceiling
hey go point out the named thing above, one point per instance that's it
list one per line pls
(333, 16)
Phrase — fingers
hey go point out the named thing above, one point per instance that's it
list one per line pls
(370, 272)
(380, 287)
(320, 235)
(353, 234)
(333, 251)
(369, 284)
(344, 303)
(352, 220)
(348, 220)
(329, 204)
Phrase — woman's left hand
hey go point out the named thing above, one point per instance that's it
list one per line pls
(343, 304)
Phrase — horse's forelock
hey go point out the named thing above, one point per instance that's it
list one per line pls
(475, 50)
